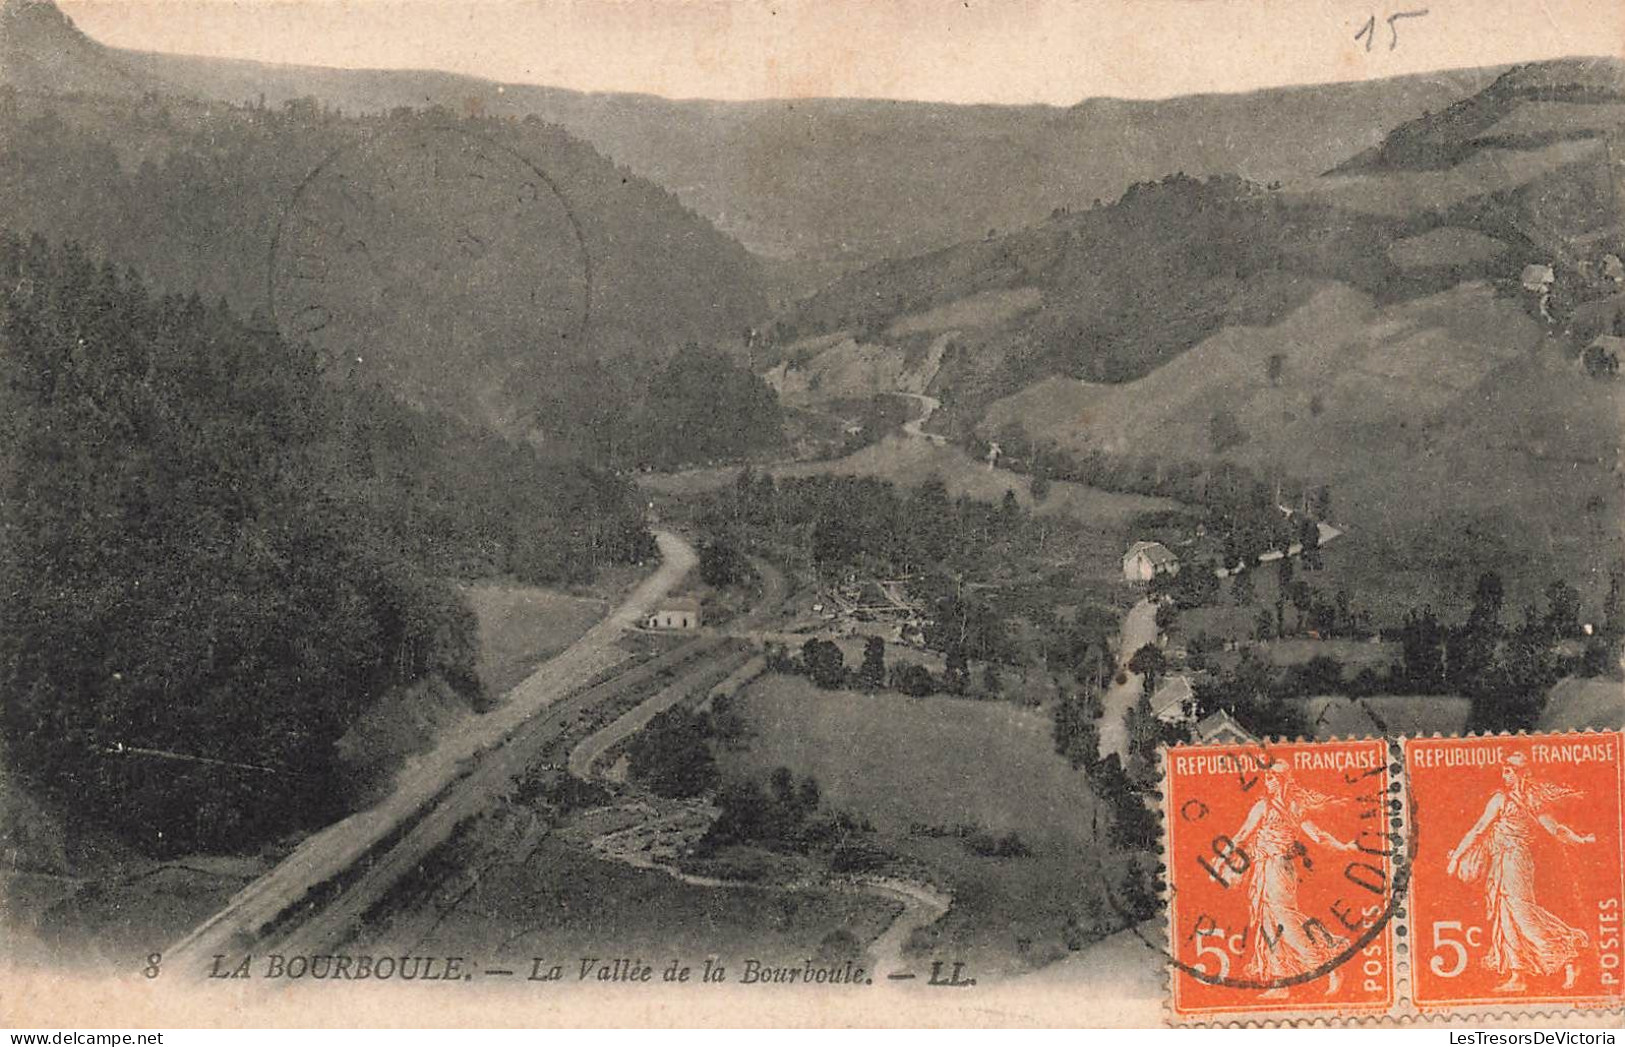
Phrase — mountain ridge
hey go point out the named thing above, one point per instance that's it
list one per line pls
(820, 186)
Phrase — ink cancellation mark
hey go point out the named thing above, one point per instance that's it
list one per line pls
(410, 235)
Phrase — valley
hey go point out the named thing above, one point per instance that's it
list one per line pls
(535, 523)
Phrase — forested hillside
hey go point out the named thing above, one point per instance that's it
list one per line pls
(216, 559)
(825, 185)
(1125, 287)
(468, 263)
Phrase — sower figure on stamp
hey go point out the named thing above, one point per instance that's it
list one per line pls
(1524, 936)
(1285, 943)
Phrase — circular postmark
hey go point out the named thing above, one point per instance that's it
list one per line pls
(431, 257)
(1286, 864)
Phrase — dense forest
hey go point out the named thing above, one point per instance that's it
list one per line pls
(216, 559)
(484, 304)
(701, 406)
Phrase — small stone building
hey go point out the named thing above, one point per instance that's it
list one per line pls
(678, 613)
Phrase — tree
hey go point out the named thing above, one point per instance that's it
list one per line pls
(824, 664)
(1225, 432)
(1283, 592)
(1510, 695)
(1303, 601)
(1275, 367)
(1149, 662)
(1489, 596)
(913, 680)
(1196, 586)
(1283, 576)
(1320, 503)
(697, 386)
(721, 564)
(672, 756)
(1562, 610)
(1323, 619)
(956, 672)
(1309, 539)
(1613, 605)
(872, 673)
(1144, 734)
(1421, 641)
(1241, 589)
(990, 681)
(1263, 625)
(1075, 733)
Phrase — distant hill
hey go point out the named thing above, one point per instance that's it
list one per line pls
(821, 186)
(1524, 108)
(42, 50)
(833, 183)
(1120, 289)
(1367, 329)
(1125, 287)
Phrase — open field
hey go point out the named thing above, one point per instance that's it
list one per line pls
(906, 461)
(1455, 436)
(521, 626)
(1445, 247)
(1575, 705)
(1354, 654)
(940, 762)
(930, 761)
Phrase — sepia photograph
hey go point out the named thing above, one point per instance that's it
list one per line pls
(720, 513)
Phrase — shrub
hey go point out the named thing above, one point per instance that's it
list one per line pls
(1225, 432)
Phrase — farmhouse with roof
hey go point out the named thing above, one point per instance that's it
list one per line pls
(1174, 701)
(1146, 560)
(1220, 728)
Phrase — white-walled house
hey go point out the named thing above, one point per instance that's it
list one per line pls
(1146, 560)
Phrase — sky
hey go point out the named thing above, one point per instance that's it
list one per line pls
(965, 51)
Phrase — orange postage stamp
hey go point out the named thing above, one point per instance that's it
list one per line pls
(1285, 870)
(1519, 871)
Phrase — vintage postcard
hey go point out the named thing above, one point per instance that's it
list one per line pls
(535, 513)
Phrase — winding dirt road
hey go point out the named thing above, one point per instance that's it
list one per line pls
(289, 895)
(928, 407)
(1139, 629)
